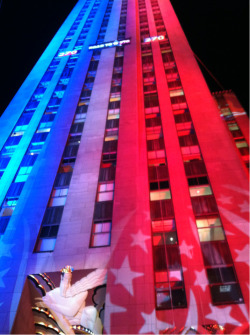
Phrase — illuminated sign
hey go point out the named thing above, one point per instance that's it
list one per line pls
(67, 53)
(154, 38)
(110, 44)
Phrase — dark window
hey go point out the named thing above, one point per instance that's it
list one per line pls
(151, 100)
(161, 209)
(216, 253)
(198, 181)
(71, 150)
(153, 145)
(204, 205)
(196, 167)
(110, 146)
(188, 140)
(229, 293)
(182, 118)
(168, 57)
(4, 220)
(103, 210)
(4, 161)
(77, 128)
(112, 123)
(158, 172)
(153, 122)
(13, 140)
(15, 190)
(107, 174)
(24, 119)
(63, 179)
(53, 215)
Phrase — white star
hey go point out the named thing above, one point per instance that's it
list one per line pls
(244, 207)
(152, 324)
(224, 199)
(110, 309)
(3, 273)
(125, 275)
(221, 314)
(201, 279)
(186, 249)
(237, 189)
(192, 317)
(139, 239)
(235, 219)
(5, 249)
(228, 232)
(244, 311)
(243, 255)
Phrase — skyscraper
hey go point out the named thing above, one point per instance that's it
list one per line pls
(114, 157)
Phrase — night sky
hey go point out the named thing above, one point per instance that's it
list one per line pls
(217, 31)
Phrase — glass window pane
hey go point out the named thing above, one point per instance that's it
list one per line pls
(105, 196)
(163, 300)
(160, 195)
(226, 293)
(161, 277)
(211, 234)
(47, 244)
(200, 191)
(58, 201)
(179, 298)
(100, 240)
(208, 222)
(175, 275)
(171, 237)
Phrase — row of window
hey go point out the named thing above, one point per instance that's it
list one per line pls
(233, 127)
(218, 262)
(168, 276)
(38, 139)
(53, 214)
(25, 118)
(102, 220)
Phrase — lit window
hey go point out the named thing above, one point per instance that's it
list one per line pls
(58, 197)
(160, 195)
(101, 234)
(197, 191)
(23, 174)
(46, 244)
(105, 192)
(113, 114)
(176, 93)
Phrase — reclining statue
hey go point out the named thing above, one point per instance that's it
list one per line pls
(67, 303)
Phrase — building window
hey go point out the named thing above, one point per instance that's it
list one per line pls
(101, 234)
(169, 284)
(105, 192)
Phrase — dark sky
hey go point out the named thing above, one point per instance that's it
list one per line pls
(217, 31)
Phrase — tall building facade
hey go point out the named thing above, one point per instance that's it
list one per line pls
(114, 157)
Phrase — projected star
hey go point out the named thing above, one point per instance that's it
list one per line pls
(139, 239)
(243, 255)
(244, 207)
(224, 199)
(125, 275)
(5, 249)
(186, 249)
(151, 324)
(2, 274)
(222, 314)
(109, 310)
(201, 279)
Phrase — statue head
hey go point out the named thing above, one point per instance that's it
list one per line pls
(66, 276)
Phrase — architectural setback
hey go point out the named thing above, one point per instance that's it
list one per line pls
(124, 203)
